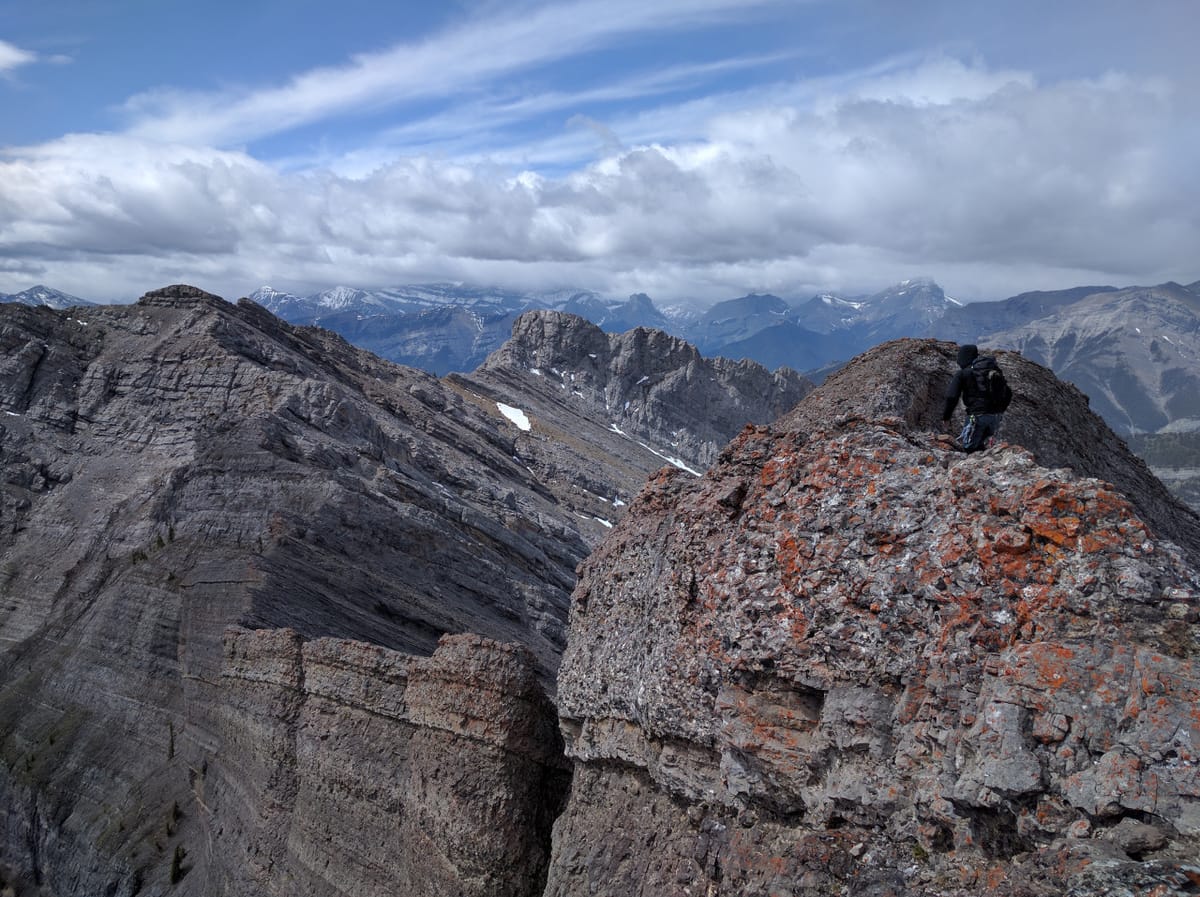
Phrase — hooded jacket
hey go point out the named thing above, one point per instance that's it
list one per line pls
(963, 386)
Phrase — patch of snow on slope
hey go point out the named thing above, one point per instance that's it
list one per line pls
(516, 415)
(673, 461)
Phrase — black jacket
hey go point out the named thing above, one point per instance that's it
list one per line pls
(965, 387)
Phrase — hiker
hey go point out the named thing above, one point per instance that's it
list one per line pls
(980, 384)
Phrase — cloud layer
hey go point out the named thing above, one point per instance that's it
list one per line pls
(985, 178)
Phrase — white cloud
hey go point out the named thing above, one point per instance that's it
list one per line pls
(987, 180)
(13, 57)
(477, 52)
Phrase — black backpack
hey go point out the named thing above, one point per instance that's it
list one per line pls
(990, 383)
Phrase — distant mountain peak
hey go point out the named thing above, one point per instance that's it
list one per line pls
(41, 294)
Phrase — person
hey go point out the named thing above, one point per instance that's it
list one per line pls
(985, 395)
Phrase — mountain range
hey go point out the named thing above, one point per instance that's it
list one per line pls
(1134, 351)
(280, 617)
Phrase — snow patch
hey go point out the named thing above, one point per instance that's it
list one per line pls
(617, 503)
(676, 462)
(643, 380)
(605, 523)
(535, 372)
(516, 415)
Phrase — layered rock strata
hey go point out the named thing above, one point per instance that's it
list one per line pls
(347, 768)
(852, 660)
(182, 465)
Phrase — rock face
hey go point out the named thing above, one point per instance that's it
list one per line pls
(361, 771)
(851, 660)
(180, 466)
(203, 449)
(647, 383)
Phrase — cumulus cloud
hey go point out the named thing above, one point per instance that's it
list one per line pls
(988, 180)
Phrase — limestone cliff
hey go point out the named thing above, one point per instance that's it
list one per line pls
(350, 769)
(851, 660)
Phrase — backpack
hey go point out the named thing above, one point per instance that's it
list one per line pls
(990, 384)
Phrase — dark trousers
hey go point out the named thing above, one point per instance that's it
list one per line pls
(978, 432)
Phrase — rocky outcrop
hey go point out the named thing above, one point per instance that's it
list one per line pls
(350, 769)
(647, 383)
(906, 379)
(853, 660)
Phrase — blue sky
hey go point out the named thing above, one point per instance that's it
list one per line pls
(690, 149)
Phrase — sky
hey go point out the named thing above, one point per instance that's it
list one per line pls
(694, 150)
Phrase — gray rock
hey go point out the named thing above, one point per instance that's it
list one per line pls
(181, 465)
(1136, 838)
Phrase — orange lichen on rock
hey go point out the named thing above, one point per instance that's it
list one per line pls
(890, 641)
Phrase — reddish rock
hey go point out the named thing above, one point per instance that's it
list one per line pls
(954, 673)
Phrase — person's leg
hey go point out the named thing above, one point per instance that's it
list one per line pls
(987, 425)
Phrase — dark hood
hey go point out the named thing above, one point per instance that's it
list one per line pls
(967, 354)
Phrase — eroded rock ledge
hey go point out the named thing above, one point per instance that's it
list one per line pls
(857, 660)
(346, 768)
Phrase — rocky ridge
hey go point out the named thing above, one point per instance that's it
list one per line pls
(596, 413)
(851, 660)
(646, 383)
(858, 662)
(227, 546)
(183, 465)
(205, 447)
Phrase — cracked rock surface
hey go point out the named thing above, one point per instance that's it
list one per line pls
(852, 660)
